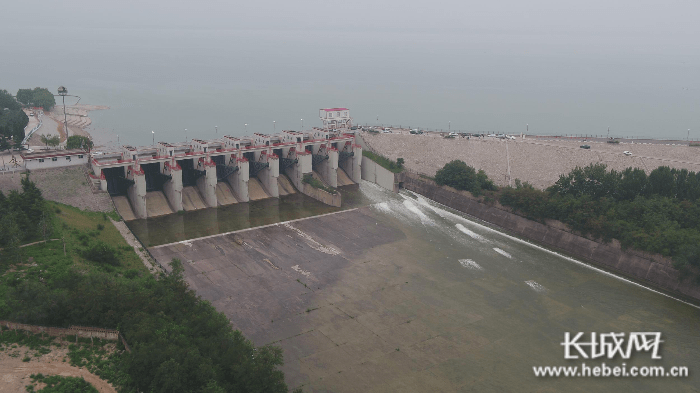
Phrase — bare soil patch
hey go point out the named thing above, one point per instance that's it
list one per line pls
(14, 373)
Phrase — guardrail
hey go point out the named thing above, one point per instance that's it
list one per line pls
(37, 127)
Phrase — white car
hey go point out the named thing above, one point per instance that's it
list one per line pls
(386, 130)
(628, 153)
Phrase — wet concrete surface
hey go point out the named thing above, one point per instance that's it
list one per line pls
(381, 299)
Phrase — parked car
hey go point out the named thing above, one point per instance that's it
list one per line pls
(628, 153)
(387, 130)
(585, 147)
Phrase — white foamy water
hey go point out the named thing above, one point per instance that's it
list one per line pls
(503, 252)
(471, 264)
(536, 286)
(383, 206)
(413, 208)
(469, 232)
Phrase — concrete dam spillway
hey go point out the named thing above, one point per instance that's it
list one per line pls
(167, 178)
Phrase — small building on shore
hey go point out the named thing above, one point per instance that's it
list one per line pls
(54, 158)
(335, 118)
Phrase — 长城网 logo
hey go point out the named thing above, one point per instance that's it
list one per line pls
(611, 344)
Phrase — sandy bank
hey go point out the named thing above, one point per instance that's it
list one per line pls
(537, 161)
(77, 117)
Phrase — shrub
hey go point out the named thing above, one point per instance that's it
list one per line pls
(393, 166)
(308, 178)
(459, 175)
(100, 252)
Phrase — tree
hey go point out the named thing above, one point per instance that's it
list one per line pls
(12, 124)
(7, 101)
(79, 142)
(43, 98)
(54, 140)
(25, 96)
(459, 175)
(39, 97)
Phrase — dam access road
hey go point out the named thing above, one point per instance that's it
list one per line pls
(405, 295)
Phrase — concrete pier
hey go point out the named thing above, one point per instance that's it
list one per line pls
(137, 192)
(173, 186)
(268, 176)
(207, 184)
(239, 180)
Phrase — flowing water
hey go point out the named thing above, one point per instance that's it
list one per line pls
(526, 297)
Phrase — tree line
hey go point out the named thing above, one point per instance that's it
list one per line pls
(179, 342)
(657, 213)
(37, 97)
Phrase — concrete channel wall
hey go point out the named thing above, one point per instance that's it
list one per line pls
(650, 269)
(333, 200)
(375, 173)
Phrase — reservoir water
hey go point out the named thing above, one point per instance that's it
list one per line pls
(576, 69)
(421, 298)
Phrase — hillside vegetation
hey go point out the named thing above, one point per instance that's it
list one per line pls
(91, 277)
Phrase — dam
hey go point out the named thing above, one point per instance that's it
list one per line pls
(159, 180)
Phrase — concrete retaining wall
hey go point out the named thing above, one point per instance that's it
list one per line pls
(333, 200)
(644, 267)
(375, 173)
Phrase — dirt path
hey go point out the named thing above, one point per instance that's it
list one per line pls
(14, 373)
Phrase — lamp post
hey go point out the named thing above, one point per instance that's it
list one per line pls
(185, 135)
(153, 133)
(688, 137)
(274, 126)
(246, 128)
(608, 132)
(302, 125)
(62, 91)
(449, 125)
(217, 131)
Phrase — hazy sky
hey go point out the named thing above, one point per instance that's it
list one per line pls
(561, 66)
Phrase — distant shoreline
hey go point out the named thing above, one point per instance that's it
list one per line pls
(77, 117)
